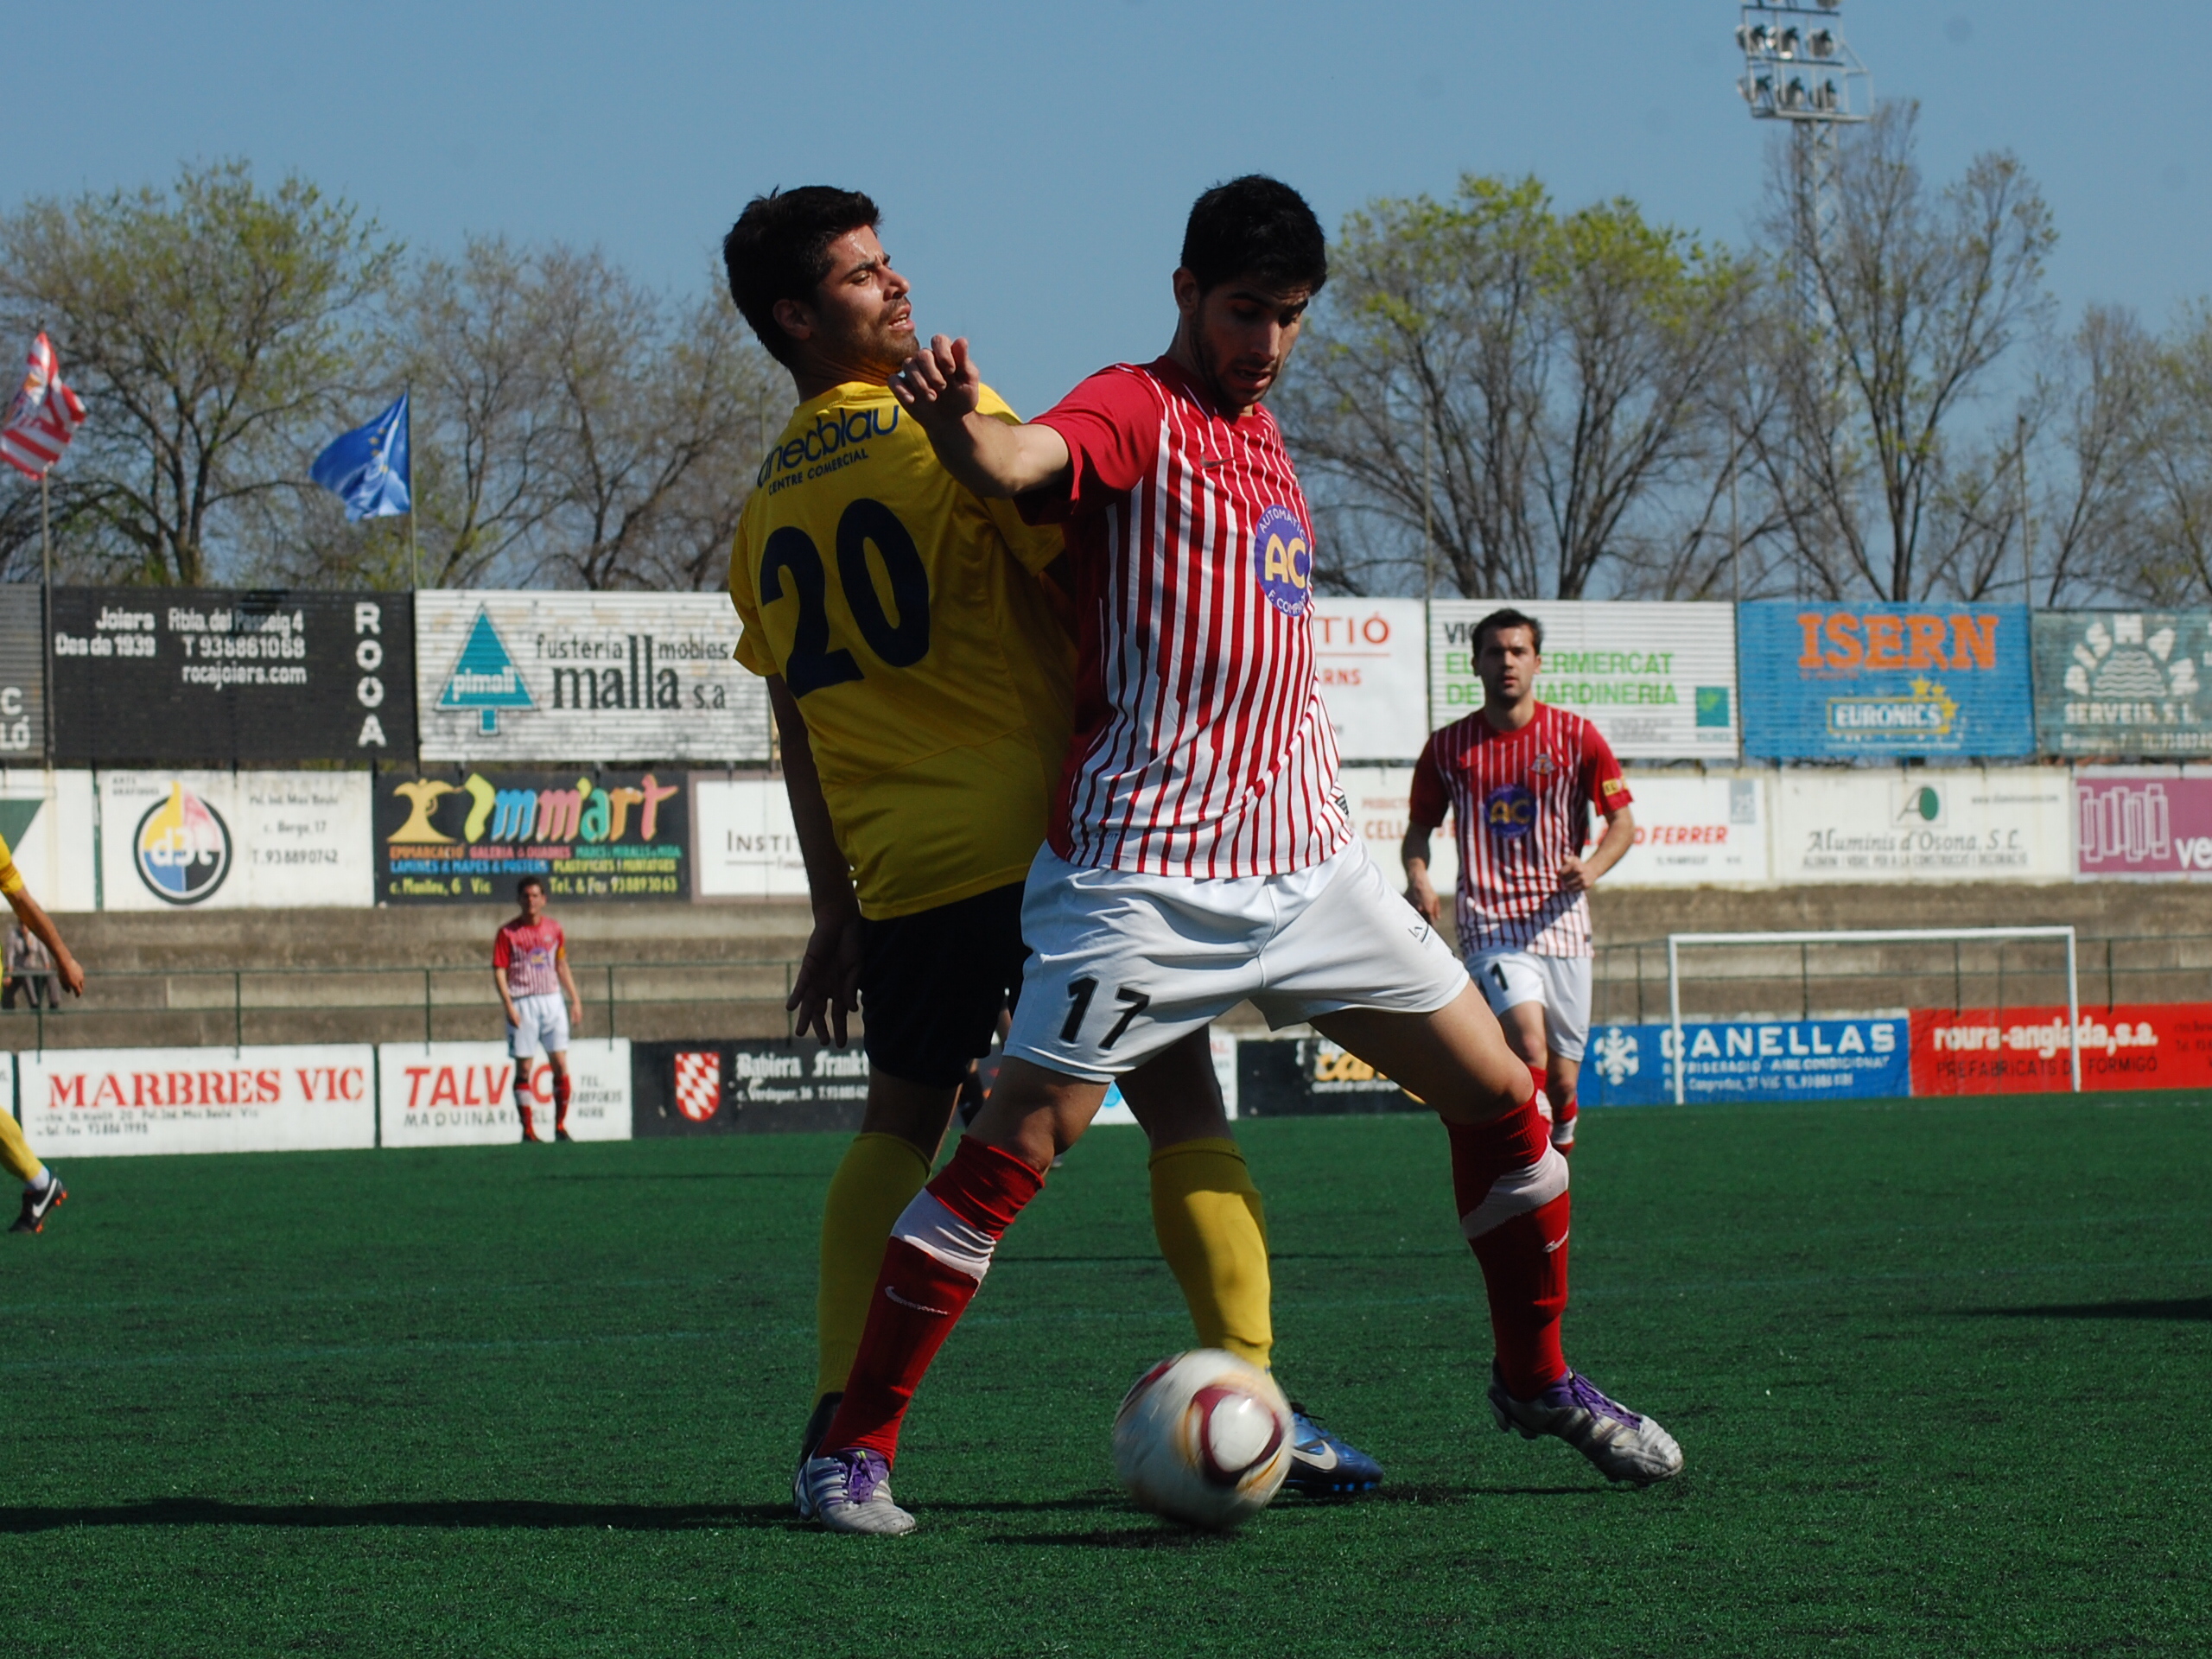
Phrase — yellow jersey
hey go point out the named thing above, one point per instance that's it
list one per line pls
(910, 621)
(11, 879)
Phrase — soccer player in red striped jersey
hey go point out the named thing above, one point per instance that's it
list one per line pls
(1201, 851)
(1519, 779)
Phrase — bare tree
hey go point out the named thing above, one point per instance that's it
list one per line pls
(213, 330)
(1923, 295)
(1528, 388)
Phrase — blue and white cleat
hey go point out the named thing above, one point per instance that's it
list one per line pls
(850, 1491)
(1321, 1465)
(1623, 1445)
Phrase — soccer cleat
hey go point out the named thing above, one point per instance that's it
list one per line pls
(810, 1443)
(38, 1205)
(1321, 1465)
(530, 1134)
(1623, 1445)
(850, 1491)
(562, 1135)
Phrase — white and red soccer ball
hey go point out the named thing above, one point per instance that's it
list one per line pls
(1204, 1439)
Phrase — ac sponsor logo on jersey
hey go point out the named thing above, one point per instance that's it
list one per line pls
(1282, 562)
(1510, 812)
(183, 848)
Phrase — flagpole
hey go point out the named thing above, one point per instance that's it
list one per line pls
(46, 610)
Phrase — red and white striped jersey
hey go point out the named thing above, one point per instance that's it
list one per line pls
(1520, 802)
(1201, 746)
(530, 954)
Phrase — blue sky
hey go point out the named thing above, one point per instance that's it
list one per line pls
(1034, 161)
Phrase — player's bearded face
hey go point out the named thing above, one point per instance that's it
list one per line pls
(1242, 332)
(1507, 665)
(861, 318)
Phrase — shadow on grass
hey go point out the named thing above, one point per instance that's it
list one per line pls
(685, 1175)
(2189, 1308)
(489, 1513)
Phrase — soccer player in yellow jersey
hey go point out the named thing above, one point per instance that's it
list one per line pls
(920, 666)
(43, 1188)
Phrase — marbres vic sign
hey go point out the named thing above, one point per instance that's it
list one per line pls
(585, 677)
(456, 835)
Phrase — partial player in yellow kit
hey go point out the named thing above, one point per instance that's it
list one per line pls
(43, 1188)
(920, 665)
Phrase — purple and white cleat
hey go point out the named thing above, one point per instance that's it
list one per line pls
(850, 1491)
(1623, 1445)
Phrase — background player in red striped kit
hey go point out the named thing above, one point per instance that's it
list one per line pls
(1201, 851)
(1519, 778)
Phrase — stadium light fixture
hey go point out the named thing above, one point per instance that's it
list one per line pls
(1791, 32)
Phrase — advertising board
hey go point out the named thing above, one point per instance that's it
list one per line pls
(1694, 829)
(2024, 1051)
(1379, 798)
(1749, 1059)
(1970, 823)
(2123, 684)
(96, 1101)
(460, 836)
(2154, 821)
(46, 819)
(1658, 680)
(1371, 657)
(743, 843)
(179, 677)
(1311, 1077)
(748, 1086)
(1840, 682)
(462, 1094)
(22, 674)
(619, 677)
(225, 840)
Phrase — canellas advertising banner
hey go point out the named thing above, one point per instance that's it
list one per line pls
(2126, 685)
(585, 677)
(456, 836)
(1972, 824)
(1750, 1059)
(222, 840)
(462, 1094)
(1658, 680)
(744, 845)
(94, 1101)
(22, 674)
(1835, 682)
(1372, 656)
(47, 818)
(1694, 829)
(211, 675)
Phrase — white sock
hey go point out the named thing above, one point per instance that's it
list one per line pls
(39, 1182)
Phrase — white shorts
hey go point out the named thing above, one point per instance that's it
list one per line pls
(542, 1022)
(1122, 965)
(1508, 977)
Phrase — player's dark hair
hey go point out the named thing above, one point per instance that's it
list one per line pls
(1509, 618)
(1255, 226)
(779, 250)
(527, 883)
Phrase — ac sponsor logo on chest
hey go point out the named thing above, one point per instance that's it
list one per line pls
(1510, 812)
(1283, 562)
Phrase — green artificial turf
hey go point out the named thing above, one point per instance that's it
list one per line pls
(1940, 1370)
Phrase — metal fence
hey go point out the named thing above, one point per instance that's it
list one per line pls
(233, 1007)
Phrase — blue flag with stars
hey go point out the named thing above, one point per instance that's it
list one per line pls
(367, 469)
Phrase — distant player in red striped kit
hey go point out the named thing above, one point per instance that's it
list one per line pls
(1519, 779)
(1200, 852)
(529, 964)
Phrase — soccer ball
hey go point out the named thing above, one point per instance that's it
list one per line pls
(1204, 1439)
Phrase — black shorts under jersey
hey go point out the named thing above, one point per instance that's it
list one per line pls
(933, 984)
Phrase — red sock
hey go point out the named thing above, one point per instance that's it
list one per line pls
(559, 1101)
(940, 1249)
(1524, 1269)
(1514, 1213)
(1563, 1122)
(1542, 1102)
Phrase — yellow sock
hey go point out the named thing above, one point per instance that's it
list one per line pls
(879, 1177)
(15, 1154)
(1213, 1230)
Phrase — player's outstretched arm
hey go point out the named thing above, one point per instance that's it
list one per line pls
(30, 913)
(941, 389)
(1421, 892)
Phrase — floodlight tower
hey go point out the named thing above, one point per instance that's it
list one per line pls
(1797, 68)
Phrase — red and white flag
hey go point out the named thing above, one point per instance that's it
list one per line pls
(44, 417)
